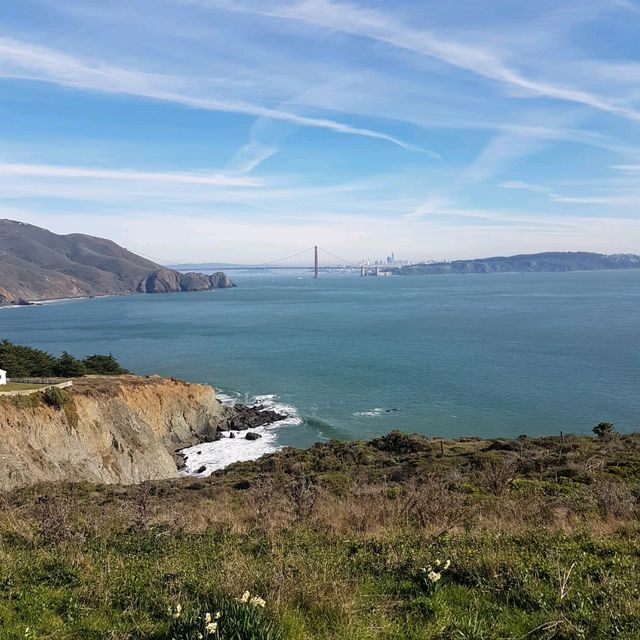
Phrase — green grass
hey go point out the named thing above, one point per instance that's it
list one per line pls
(20, 386)
(541, 535)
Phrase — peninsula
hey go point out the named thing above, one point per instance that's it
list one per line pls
(550, 261)
(36, 264)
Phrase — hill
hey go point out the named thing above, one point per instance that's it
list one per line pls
(552, 261)
(399, 537)
(36, 264)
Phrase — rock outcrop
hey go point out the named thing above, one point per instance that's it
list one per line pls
(119, 429)
(168, 280)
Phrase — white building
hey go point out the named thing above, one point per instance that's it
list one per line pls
(3, 376)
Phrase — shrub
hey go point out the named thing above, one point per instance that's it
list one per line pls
(604, 430)
(56, 397)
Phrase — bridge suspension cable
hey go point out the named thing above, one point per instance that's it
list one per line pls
(333, 255)
(294, 255)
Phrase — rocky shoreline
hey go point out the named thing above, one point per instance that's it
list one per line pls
(241, 418)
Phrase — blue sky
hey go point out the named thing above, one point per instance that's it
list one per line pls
(233, 130)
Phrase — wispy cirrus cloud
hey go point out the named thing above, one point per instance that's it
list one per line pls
(33, 62)
(521, 185)
(54, 171)
(386, 28)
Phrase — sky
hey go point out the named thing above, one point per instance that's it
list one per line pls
(246, 130)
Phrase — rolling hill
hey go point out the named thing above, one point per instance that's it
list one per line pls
(36, 264)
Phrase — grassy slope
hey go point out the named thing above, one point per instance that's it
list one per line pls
(542, 536)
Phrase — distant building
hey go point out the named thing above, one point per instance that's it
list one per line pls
(3, 376)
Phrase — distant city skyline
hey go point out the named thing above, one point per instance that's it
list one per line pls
(218, 131)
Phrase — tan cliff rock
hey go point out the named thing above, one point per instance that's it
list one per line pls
(122, 429)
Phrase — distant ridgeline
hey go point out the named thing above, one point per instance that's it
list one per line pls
(26, 362)
(36, 264)
(554, 261)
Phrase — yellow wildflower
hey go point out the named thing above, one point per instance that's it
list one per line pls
(256, 601)
(218, 615)
(207, 618)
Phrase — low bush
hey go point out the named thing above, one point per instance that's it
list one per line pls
(56, 397)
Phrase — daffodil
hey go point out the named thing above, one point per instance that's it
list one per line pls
(256, 601)
(245, 597)
(447, 564)
(178, 611)
(211, 627)
(207, 618)
(218, 615)
(433, 576)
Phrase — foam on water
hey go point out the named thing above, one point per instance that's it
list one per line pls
(222, 453)
(378, 411)
(374, 413)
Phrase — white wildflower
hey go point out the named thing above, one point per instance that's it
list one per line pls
(207, 618)
(245, 597)
(211, 627)
(433, 576)
(178, 611)
(447, 564)
(256, 601)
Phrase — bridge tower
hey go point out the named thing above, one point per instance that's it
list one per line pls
(316, 269)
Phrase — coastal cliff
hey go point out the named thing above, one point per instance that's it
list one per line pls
(119, 429)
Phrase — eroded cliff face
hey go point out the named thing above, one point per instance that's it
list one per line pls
(122, 429)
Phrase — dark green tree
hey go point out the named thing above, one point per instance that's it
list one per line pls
(24, 362)
(69, 367)
(103, 365)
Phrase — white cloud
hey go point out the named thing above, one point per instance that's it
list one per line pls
(251, 155)
(430, 206)
(27, 61)
(53, 171)
(198, 236)
(383, 27)
(524, 186)
(607, 200)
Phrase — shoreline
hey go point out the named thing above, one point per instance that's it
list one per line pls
(232, 445)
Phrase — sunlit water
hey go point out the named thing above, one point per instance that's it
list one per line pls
(350, 357)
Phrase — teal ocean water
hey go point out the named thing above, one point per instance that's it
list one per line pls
(486, 355)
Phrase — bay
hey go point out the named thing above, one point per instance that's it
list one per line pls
(351, 357)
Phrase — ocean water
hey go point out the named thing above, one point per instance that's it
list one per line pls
(350, 357)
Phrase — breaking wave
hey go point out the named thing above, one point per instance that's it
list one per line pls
(203, 459)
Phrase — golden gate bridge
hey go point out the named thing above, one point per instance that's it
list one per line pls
(315, 253)
(342, 263)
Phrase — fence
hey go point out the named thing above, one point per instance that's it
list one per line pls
(51, 381)
(47, 384)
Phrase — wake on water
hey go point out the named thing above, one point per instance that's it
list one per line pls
(217, 455)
